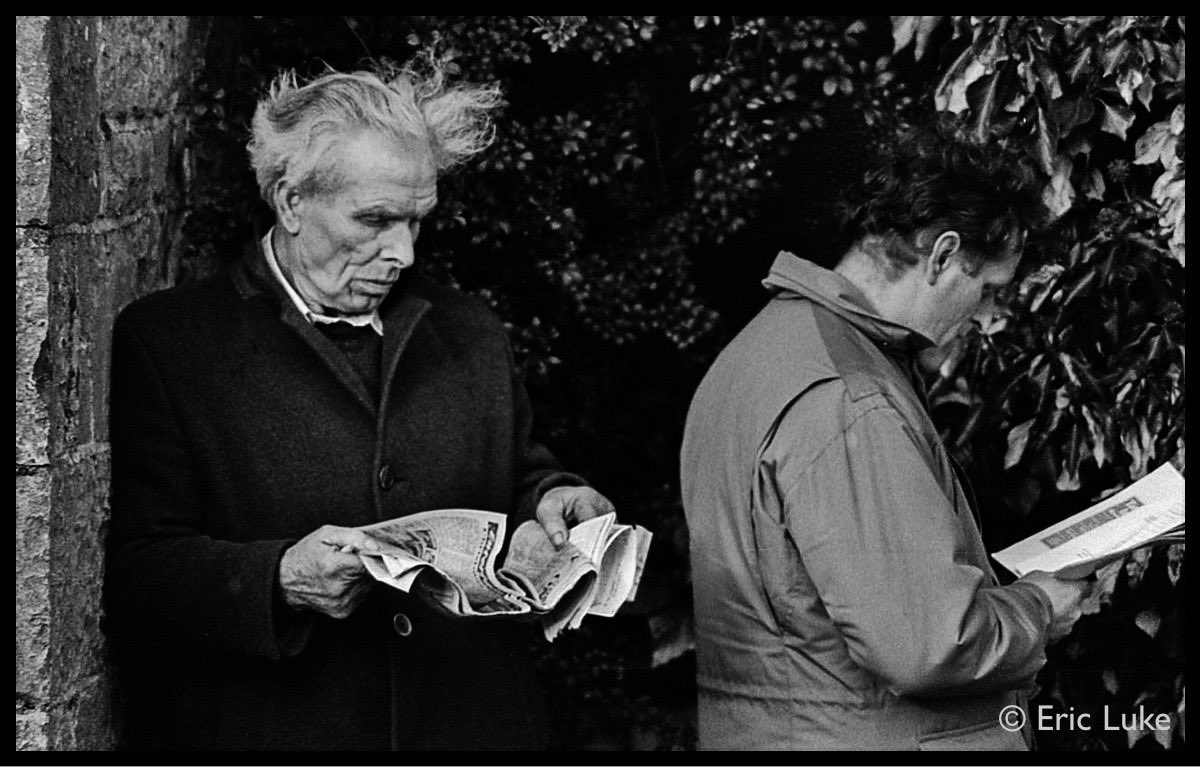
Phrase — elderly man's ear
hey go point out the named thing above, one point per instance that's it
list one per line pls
(944, 247)
(287, 200)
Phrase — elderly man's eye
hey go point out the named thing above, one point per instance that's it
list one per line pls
(376, 222)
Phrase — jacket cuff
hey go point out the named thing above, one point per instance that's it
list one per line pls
(268, 631)
(1036, 602)
(292, 627)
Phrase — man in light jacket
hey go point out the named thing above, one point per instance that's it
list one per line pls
(843, 596)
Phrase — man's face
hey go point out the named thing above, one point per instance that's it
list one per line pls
(352, 242)
(963, 292)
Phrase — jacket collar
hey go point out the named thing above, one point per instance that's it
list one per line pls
(792, 277)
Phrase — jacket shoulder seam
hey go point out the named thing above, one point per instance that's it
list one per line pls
(846, 346)
(883, 406)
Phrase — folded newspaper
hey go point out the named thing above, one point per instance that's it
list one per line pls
(448, 557)
(1148, 511)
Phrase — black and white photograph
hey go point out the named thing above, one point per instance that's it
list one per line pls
(600, 384)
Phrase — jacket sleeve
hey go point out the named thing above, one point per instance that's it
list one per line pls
(535, 469)
(887, 555)
(167, 580)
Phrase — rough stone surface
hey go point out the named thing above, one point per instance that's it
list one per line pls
(74, 127)
(66, 382)
(101, 123)
(138, 254)
(146, 63)
(33, 588)
(78, 522)
(32, 603)
(82, 720)
(31, 729)
(94, 274)
(32, 292)
(136, 165)
(33, 121)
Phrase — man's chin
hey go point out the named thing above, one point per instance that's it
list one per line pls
(359, 304)
(369, 306)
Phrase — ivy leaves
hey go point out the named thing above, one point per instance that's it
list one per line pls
(1056, 83)
(1074, 92)
(1162, 145)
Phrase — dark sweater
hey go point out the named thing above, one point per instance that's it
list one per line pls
(361, 345)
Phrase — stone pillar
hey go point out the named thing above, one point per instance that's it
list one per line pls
(33, 463)
(101, 171)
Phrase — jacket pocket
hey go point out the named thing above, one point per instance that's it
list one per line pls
(982, 736)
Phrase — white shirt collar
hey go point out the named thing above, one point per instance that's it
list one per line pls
(358, 320)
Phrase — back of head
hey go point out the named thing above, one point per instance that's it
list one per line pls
(295, 123)
(934, 178)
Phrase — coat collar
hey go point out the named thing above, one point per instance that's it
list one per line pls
(793, 277)
(401, 312)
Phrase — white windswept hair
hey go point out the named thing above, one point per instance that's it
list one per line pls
(294, 124)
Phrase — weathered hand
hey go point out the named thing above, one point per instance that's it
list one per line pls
(322, 572)
(564, 507)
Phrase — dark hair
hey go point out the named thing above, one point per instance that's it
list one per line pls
(933, 176)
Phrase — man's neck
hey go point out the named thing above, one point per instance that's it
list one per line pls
(286, 258)
(891, 296)
(290, 284)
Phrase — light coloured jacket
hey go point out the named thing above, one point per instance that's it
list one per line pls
(843, 597)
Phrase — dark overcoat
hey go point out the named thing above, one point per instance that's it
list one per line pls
(237, 428)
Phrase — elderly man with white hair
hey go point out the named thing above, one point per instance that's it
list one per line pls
(261, 416)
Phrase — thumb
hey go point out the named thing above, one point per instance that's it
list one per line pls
(363, 542)
(550, 514)
(348, 539)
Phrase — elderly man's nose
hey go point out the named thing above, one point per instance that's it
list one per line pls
(398, 248)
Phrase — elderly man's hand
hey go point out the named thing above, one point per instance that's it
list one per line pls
(322, 571)
(563, 507)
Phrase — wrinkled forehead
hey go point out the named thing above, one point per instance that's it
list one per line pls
(372, 159)
(406, 154)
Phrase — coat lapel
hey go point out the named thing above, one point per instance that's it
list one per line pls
(333, 358)
(400, 314)
(253, 278)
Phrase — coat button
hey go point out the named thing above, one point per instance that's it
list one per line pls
(402, 624)
(387, 477)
